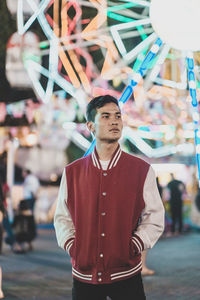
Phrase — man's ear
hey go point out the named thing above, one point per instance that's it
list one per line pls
(90, 126)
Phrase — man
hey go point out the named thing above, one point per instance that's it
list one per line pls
(108, 211)
(176, 191)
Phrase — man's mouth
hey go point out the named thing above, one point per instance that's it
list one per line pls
(114, 130)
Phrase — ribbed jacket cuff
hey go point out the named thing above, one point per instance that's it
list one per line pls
(68, 245)
(138, 244)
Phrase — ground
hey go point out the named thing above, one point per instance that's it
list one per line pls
(45, 273)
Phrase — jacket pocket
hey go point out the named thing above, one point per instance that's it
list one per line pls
(69, 247)
(71, 250)
(118, 254)
(132, 251)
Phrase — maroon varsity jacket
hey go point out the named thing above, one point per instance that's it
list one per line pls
(105, 207)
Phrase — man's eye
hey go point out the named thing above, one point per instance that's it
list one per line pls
(118, 117)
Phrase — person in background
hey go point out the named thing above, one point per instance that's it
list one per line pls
(24, 228)
(31, 187)
(145, 270)
(1, 291)
(108, 211)
(176, 191)
(160, 188)
(7, 227)
(2, 210)
(197, 199)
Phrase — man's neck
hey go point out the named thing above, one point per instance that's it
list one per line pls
(105, 151)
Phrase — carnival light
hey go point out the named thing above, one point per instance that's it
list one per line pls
(137, 76)
(192, 79)
(133, 137)
(31, 139)
(115, 32)
(38, 13)
(177, 22)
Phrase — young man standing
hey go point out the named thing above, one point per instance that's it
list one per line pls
(108, 211)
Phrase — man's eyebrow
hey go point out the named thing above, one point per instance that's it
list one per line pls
(107, 113)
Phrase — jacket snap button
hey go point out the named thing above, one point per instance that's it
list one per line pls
(101, 255)
(105, 174)
(99, 279)
(99, 273)
(104, 193)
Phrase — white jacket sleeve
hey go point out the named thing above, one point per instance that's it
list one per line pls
(151, 225)
(64, 227)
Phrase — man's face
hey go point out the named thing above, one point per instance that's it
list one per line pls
(107, 126)
(24, 174)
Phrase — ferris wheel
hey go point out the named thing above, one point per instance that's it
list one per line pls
(97, 45)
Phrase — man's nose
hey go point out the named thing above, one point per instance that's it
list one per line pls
(114, 122)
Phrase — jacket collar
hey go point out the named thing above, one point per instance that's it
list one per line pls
(113, 162)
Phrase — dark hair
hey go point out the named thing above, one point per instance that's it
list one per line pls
(98, 102)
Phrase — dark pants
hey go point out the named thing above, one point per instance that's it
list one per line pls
(177, 218)
(129, 289)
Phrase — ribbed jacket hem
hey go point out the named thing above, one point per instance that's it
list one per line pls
(106, 277)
